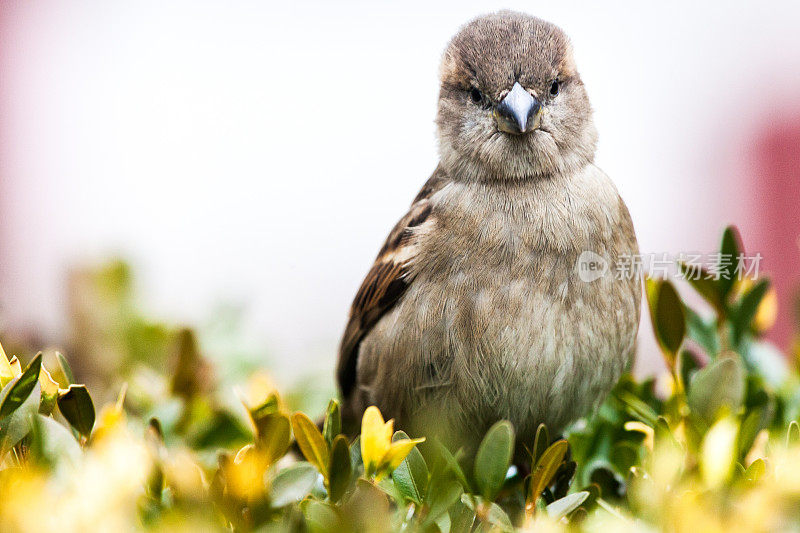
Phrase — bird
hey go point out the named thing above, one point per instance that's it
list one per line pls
(478, 307)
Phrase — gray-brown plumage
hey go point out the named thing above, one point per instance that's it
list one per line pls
(474, 310)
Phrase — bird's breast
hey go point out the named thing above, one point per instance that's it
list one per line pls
(497, 322)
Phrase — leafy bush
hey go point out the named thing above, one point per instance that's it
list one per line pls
(713, 444)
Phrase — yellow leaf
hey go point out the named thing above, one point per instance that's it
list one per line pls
(641, 427)
(544, 471)
(16, 366)
(398, 451)
(767, 311)
(376, 438)
(260, 387)
(718, 452)
(111, 420)
(311, 442)
(49, 385)
(49, 392)
(6, 374)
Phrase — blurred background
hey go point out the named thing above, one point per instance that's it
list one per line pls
(247, 159)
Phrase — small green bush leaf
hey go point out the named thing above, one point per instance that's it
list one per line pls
(442, 494)
(540, 442)
(411, 477)
(311, 442)
(488, 512)
(746, 310)
(17, 390)
(452, 464)
(637, 408)
(340, 468)
(666, 313)
(729, 253)
(321, 516)
(702, 331)
(269, 406)
(749, 428)
(543, 472)
(793, 434)
(18, 423)
(292, 484)
(333, 421)
(566, 505)
(274, 435)
(493, 458)
(53, 443)
(702, 282)
(756, 470)
(65, 368)
(76, 405)
(718, 385)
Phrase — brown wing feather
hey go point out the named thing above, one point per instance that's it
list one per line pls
(385, 283)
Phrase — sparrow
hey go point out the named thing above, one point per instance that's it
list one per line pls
(477, 308)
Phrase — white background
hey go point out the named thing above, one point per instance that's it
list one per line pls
(259, 153)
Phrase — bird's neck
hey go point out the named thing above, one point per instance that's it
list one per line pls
(470, 170)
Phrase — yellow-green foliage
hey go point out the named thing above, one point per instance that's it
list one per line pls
(711, 445)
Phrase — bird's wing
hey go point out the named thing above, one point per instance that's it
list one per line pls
(385, 283)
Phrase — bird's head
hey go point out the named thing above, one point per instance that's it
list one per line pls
(512, 105)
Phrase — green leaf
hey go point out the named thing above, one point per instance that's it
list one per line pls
(355, 455)
(321, 517)
(718, 385)
(756, 470)
(636, 407)
(452, 464)
(269, 406)
(53, 443)
(441, 496)
(493, 458)
(341, 468)
(273, 435)
(311, 442)
(748, 431)
(18, 424)
(488, 512)
(411, 477)
(367, 508)
(443, 523)
(65, 368)
(292, 484)
(49, 392)
(666, 312)
(77, 407)
(566, 505)
(462, 518)
(17, 391)
(729, 250)
(705, 286)
(686, 365)
(217, 428)
(746, 310)
(792, 434)
(703, 332)
(623, 455)
(333, 422)
(543, 472)
(540, 443)
(186, 381)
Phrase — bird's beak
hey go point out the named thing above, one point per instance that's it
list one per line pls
(518, 112)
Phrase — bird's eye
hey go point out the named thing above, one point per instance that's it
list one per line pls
(555, 88)
(476, 96)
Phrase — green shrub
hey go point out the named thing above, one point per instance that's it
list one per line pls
(711, 445)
